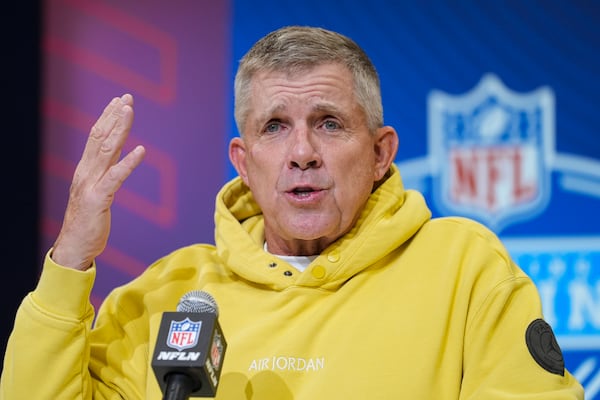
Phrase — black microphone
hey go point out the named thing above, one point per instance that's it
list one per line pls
(189, 349)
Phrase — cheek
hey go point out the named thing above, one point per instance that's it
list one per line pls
(262, 174)
(358, 170)
(353, 188)
(255, 166)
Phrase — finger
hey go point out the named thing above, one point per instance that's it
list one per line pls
(106, 121)
(111, 114)
(116, 175)
(127, 99)
(107, 136)
(112, 145)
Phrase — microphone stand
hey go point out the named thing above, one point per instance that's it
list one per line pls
(179, 387)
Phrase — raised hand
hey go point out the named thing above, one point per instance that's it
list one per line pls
(99, 174)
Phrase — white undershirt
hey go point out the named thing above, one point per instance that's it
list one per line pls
(298, 262)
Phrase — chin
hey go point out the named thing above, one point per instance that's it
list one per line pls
(308, 233)
(308, 227)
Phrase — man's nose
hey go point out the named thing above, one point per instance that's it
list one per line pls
(304, 149)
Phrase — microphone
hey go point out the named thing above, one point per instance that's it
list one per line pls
(190, 348)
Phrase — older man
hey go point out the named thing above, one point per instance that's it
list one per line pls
(333, 281)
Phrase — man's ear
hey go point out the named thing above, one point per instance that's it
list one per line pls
(385, 147)
(237, 156)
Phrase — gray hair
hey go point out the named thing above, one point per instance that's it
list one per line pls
(297, 48)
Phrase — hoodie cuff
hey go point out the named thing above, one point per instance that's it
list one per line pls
(64, 292)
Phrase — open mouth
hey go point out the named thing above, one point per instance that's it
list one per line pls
(304, 191)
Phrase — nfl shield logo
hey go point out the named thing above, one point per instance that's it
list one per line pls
(491, 151)
(183, 334)
(216, 351)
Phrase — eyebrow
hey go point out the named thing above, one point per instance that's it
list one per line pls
(273, 110)
(325, 107)
(330, 109)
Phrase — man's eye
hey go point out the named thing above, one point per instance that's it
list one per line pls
(272, 127)
(331, 125)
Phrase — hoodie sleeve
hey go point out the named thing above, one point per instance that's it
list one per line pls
(48, 350)
(511, 352)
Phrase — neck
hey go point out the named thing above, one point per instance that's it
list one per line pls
(296, 247)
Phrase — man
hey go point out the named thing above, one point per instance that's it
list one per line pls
(332, 280)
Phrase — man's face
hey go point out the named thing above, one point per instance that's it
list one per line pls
(308, 157)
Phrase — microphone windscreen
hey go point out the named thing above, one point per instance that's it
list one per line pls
(198, 301)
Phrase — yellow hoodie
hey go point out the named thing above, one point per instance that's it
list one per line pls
(401, 307)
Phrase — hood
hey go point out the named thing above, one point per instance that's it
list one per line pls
(391, 216)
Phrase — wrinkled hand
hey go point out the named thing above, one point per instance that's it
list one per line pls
(99, 174)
